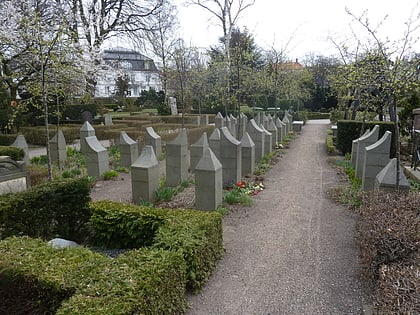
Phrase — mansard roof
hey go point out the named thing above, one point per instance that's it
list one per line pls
(137, 60)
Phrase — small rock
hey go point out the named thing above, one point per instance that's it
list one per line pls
(62, 243)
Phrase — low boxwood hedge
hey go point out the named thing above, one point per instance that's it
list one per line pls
(16, 154)
(56, 209)
(197, 235)
(45, 280)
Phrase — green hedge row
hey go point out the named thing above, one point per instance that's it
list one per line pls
(16, 154)
(7, 139)
(349, 130)
(318, 115)
(36, 278)
(197, 235)
(56, 209)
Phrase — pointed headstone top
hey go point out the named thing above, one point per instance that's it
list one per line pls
(202, 142)
(254, 125)
(246, 141)
(87, 127)
(147, 158)
(125, 139)
(388, 175)
(182, 138)
(152, 133)
(215, 135)
(208, 161)
(219, 115)
(228, 136)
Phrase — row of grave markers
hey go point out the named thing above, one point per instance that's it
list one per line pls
(370, 158)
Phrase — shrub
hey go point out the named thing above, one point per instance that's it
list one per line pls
(236, 195)
(329, 142)
(110, 175)
(197, 235)
(56, 209)
(38, 174)
(39, 279)
(16, 154)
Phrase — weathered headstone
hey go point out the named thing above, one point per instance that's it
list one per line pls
(85, 131)
(20, 142)
(258, 136)
(376, 158)
(145, 176)
(387, 178)
(271, 127)
(297, 125)
(219, 121)
(281, 129)
(258, 119)
(172, 106)
(355, 148)
(197, 149)
(107, 120)
(129, 150)
(264, 120)
(268, 140)
(364, 142)
(208, 182)
(153, 139)
(248, 155)
(230, 157)
(58, 148)
(13, 176)
(177, 159)
(242, 121)
(214, 142)
(97, 159)
(287, 122)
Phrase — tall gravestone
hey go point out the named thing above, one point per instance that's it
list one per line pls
(364, 142)
(355, 148)
(145, 176)
(377, 156)
(97, 159)
(20, 142)
(129, 150)
(248, 155)
(258, 136)
(58, 148)
(208, 182)
(233, 126)
(241, 125)
(197, 149)
(153, 139)
(177, 159)
(271, 128)
(107, 120)
(387, 178)
(219, 121)
(281, 130)
(85, 131)
(268, 140)
(214, 142)
(286, 121)
(264, 120)
(258, 119)
(230, 157)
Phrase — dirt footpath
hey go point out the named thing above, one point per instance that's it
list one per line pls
(292, 251)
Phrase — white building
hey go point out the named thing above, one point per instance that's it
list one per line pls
(141, 71)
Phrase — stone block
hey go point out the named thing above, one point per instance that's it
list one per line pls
(58, 148)
(145, 176)
(258, 136)
(297, 125)
(364, 142)
(208, 182)
(20, 142)
(13, 176)
(107, 120)
(85, 131)
(177, 159)
(214, 142)
(387, 178)
(248, 155)
(197, 149)
(280, 129)
(97, 159)
(219, 121)
(271, 127)
(230, 157)
(153, 139)
(129, 150)
(355, 149)
(268, 140)
(376, 158)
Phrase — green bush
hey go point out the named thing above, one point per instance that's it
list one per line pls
(7, 139)
(329, 142)
(56, 209)
(197, 235)
(110, 175)
(16, 154)
(318, 115)
(349, 130)
(45, 280)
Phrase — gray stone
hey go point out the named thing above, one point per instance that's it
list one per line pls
(204, 120)
(60, 243)
(264, 120)
(86, 116)
(364, 142)
(197, 149)
(281, 129)
(271, 127)
(145, 176)
(387, 178)
(153, 139)
(248, 155)
(13, 176)
(376, 158)
(20, 142)
(85, 131)
(242, 121)
(129, 150)
(208, 182)
(416, 119)
(268, 140)
(297, 125)
(107, 120)
(355, 148)
(58, 148)
(177, 159)
(287, 123)
(97, 159)
(214, 142)
(258, 136)
(258, 118)
(230, 157)
(219, 121)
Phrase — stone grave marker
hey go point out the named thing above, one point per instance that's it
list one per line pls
(248, 155)
(214, 142)
(20, 142)
(197, 149)
(268, 140)
(230, 157)
(85, 131)
(219, 121)
(145, 176)
(13, 176)
(58, 148)
(364, 142)
(355, 148)
(386, 178)
(129, 150)
(153, 139)
(97, 159)
(258, 136)
(177, 159)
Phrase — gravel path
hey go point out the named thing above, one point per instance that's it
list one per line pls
(292, 251)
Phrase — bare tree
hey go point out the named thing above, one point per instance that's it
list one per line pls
(227, 12)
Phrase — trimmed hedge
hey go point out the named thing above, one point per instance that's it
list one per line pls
(349, 130)
(36, 278)
(197, 235)
(318, 115)
(7, 139)
(16, 154)
(55, 209)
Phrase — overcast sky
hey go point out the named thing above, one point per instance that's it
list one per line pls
(307, 22)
